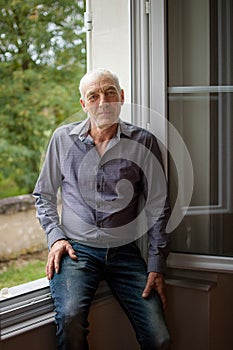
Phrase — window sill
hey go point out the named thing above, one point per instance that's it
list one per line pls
(200, 262)
(29, 306)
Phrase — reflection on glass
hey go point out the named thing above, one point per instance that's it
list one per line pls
(200, 106)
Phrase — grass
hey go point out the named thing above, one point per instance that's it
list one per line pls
(21, 271)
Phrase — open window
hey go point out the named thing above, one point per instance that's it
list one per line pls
(200, 102)
(186, 47)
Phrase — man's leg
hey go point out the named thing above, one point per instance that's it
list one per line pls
(72, 291)
(127, 277)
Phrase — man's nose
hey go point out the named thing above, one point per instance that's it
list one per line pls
(102, 100)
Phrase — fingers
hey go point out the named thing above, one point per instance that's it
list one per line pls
(49, 267)
(156, 281)
(148, 288)
(56, 253)
(52, 264)
(71, 252)
(162, 293)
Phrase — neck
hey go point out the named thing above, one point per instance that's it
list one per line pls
(101, 134)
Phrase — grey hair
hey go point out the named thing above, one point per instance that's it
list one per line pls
(96, 74)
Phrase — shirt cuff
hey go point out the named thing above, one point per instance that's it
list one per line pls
(54, 235)
(156, 264)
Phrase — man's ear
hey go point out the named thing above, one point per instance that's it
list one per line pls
(82, 102)
(122, 96)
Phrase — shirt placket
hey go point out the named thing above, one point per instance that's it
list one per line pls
(99, 198)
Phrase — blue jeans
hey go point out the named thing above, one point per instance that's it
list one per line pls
(125, 272)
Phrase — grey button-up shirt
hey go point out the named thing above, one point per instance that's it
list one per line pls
(106, 201)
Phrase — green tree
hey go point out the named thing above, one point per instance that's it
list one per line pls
(42, 57)
(42, 32)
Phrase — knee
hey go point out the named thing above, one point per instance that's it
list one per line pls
(159, 342)
(165, 343)
(76, 319)
(74, 331)
(70, 321)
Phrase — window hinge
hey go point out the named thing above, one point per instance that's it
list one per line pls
(147, 7)
(88, 21)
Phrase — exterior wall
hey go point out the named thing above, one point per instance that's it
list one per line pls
(20, 231)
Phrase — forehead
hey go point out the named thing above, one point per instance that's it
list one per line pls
(99, 84)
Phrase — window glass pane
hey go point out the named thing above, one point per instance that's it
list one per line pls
(200, 105)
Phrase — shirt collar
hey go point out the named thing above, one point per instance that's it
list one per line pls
(81, 129)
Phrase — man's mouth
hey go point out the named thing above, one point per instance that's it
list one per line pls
(106, 113)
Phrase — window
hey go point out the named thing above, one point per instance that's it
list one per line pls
(200, 105)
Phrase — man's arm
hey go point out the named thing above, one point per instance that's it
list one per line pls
(158, 213)
(45, 193)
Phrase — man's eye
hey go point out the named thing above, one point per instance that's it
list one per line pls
(92, 98)
(111, 93)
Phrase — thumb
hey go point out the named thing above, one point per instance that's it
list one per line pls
(72, 253)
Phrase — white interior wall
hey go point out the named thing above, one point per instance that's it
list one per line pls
(111, 39)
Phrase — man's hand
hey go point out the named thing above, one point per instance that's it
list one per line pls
(156, 281)
(58, 249)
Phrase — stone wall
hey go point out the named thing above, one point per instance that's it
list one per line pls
(20, 231)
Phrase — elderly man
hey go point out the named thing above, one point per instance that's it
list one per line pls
(104, 167)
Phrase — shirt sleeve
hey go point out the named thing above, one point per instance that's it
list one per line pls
(46, 191)
(157, 208)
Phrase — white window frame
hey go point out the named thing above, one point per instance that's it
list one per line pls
(25, 307)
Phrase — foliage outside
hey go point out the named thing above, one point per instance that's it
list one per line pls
(42, 58)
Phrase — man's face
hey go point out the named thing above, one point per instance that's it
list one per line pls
(102, 101)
